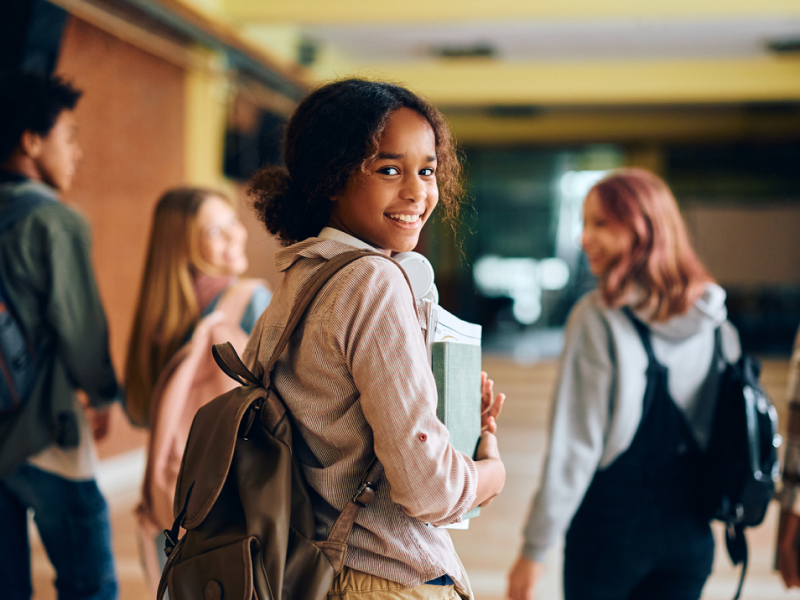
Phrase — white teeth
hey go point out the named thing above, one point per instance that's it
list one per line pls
(405, 218)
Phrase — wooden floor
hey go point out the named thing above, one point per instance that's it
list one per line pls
(492, 542)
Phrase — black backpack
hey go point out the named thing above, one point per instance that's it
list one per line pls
(741, 460)
(17, 356)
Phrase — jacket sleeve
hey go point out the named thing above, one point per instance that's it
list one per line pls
(74, 310)
(578, 422)
(383, 346)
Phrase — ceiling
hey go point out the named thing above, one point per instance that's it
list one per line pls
(542, 54)
(560, 40)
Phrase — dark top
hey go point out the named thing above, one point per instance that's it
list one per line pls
(46, 269)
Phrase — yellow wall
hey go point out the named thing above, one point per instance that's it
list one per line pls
(205, 117)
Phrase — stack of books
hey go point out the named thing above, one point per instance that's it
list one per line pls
(454, 350)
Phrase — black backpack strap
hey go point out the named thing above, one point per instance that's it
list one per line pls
(736, 542)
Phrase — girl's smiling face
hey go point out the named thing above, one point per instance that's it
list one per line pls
(388, 205)
(604, 240)
(221, 238)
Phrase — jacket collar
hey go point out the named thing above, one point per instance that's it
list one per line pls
(312, 247)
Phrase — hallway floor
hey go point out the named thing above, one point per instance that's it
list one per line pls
(492, 542)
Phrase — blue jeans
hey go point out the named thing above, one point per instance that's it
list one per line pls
(73, 521)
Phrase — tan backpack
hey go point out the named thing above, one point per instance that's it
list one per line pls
(241, 495)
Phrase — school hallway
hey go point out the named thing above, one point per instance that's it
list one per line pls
(491, 544)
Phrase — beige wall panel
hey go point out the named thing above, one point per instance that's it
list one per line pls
(131, 131)
(748, 246)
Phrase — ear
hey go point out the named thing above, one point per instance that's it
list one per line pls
(31, 144)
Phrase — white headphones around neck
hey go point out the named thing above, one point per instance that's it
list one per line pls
(420, 273)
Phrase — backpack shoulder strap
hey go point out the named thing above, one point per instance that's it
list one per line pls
(308, 293)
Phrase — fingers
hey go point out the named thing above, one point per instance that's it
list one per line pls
(488, 425)
(497, 405)
(489, 416)
(491, 405)
(487, 387)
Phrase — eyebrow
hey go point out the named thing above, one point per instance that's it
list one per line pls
(392, 156)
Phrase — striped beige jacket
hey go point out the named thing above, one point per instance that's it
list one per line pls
(356, 379)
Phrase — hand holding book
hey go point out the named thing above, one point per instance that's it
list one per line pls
(491, 405)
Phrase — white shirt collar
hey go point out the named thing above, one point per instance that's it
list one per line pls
(329, 233)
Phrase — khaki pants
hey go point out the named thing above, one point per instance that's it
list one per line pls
(357, 585)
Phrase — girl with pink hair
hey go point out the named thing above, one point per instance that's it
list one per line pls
(632, 408)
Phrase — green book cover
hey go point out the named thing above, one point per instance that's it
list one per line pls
(457, 371)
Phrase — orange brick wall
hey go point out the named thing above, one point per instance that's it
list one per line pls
(131, 131)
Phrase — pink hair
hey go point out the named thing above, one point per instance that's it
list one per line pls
(660, 260)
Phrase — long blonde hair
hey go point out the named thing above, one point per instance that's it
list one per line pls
(167, 309)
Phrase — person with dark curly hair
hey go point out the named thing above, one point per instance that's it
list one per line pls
(366, 165)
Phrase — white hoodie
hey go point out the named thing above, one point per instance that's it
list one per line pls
(597, 402)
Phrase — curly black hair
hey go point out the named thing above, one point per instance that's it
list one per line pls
(334, 133)
(31, 102)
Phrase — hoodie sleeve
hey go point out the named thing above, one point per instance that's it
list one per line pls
(578, 423)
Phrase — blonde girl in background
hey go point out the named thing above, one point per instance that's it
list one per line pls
(191, 297)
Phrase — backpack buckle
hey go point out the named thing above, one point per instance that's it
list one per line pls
(365, 495)
(169, 544)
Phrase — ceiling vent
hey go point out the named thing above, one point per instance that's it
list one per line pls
(465, 51)
(784, 46)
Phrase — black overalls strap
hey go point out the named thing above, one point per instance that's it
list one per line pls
(654, 368)
(639, 512)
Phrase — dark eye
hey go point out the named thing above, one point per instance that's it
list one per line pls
(426, 172)
(389, 171)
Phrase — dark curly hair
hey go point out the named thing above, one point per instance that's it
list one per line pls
(31, 102)
(333, 133)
